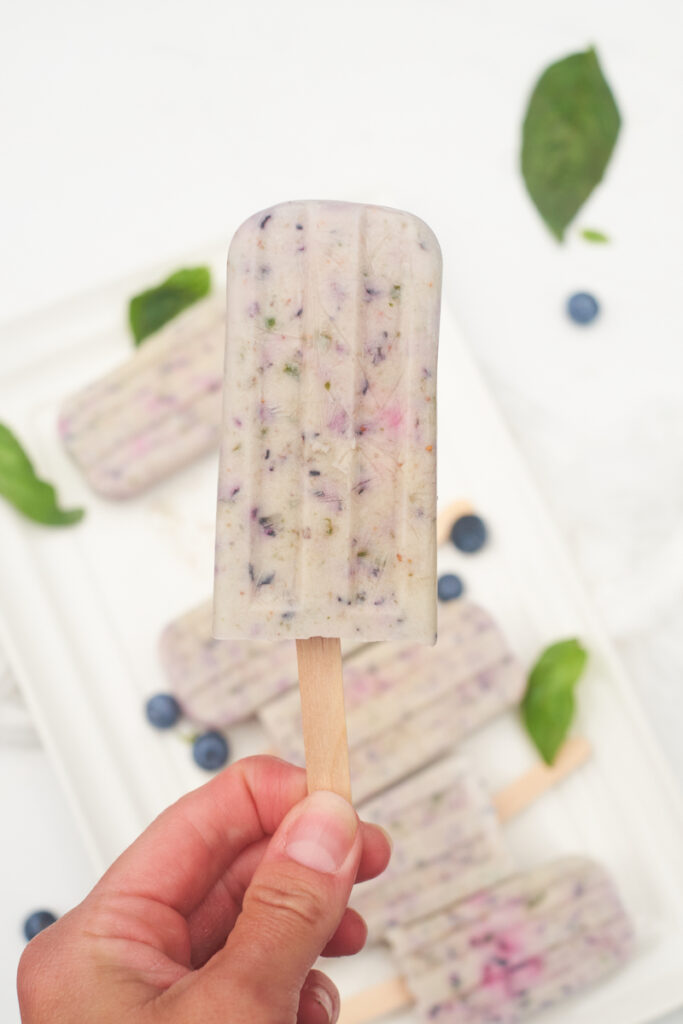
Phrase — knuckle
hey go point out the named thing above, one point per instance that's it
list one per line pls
(292, 899)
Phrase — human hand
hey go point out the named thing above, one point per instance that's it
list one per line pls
(216, 914)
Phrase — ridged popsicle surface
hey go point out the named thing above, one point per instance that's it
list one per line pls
(327, 484)
(155, 413)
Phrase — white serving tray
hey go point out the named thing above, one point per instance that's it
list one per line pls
(81, 610)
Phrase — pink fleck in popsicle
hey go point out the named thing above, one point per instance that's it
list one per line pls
(154, 414)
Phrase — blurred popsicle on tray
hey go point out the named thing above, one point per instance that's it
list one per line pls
(447, 837)
(446, 842)
(154, 414)
(504, 953)
(521, 946)
(408, 705)
(220, 682)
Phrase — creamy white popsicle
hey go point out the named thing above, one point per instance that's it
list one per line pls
(220, 682)
(407, 704)
(154, 414)
(446, 843)
(521, 945)
(326, 501)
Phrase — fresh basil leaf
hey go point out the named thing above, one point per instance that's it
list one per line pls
(548, 704)
(589, 235)
(570, 129)
(153, 308)
(27, 492)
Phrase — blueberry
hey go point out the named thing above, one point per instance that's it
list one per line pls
(582, 308)
(468, 533)
(210, 750)
(162, 710)
(36, 922)
(449, 587)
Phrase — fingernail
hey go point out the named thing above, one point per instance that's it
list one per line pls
(323, 833)
(324, 999)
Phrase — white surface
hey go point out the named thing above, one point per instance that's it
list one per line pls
(47, 868)
(134, 130)
(100, 594)
(16, 724)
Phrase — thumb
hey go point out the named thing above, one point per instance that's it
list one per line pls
(291, 910)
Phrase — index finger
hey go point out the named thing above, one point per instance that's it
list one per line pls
(183, 853)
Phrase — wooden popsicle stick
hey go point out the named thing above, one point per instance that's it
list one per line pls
(377, 1001)
(447, 515)
(394, 994)
(521, 793)
(322, 713)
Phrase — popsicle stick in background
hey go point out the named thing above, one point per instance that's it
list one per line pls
(386, 997)
(394, 994)
(447, 516)
(322, 712)
(524, 791)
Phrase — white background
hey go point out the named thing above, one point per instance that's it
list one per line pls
(130, 129)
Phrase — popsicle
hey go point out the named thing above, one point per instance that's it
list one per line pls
(220, 682)
(519, 947)
(445, 835)
(502, 954)
(155, 413)
(407, 705)
(327, 480)
(447, 838)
